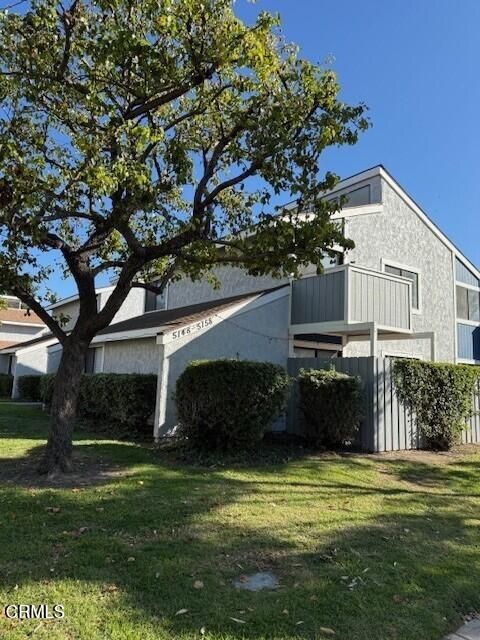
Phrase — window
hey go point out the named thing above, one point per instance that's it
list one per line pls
(411, 275)
(90, 360)
(468, 304)
(154, 301)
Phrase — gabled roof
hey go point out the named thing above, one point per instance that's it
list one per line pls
(13, 348)
(19, 316)
(161, 321)
(380, 170)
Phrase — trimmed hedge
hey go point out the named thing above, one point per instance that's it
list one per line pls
(29, 388)
(331, 404)
(118, 404)
(228, 404)
(6, 384)
(440, 395)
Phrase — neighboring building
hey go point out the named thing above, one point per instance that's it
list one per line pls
(404, 290)
(17, 324)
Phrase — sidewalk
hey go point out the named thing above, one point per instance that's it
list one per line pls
(469, 631)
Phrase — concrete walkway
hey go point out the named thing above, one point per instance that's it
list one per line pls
(469, 631)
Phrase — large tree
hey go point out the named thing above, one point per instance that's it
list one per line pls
(147, 137)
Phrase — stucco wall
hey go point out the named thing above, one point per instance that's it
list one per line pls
(18, 333)
(233, 281)
(254, 334)
(131, 356)
(32, 362)
(399, 235)
(133, 305)
(70, 310)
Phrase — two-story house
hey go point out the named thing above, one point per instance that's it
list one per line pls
(404, 290)
(17, 325)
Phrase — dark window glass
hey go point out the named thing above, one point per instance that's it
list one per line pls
(411, 275)
(90, 361)
(154, 301)
(150, 299)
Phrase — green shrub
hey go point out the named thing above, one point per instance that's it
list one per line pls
(47, 382)
(6, 383)
(228, 404)
(120, 405)
(29, 388)
(439, 395)
(331, 403)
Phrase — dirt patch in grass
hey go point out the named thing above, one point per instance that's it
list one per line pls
(88, 471)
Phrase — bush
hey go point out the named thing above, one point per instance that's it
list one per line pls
(120, 405)
(228, 404)
(6, 383)
(331, 404)
(29, 388)
(439, 395)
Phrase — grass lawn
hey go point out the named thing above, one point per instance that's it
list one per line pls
(365, 547)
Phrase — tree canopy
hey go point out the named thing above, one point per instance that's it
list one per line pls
(148, 137)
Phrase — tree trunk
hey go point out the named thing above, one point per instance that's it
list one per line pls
(58, 452)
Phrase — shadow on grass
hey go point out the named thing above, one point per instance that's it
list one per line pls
(403, 571)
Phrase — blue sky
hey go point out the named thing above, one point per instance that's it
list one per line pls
(415, 64)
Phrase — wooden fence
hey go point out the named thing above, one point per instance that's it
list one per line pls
(388, 424)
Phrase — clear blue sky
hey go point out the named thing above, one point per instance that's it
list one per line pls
(415, 63)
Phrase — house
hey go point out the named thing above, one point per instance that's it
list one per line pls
(405, 290)
(17, 325)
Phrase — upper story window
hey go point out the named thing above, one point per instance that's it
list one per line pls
(154, 301)
(468, 304)
(13, 303)
(411, 275)
(463, 274)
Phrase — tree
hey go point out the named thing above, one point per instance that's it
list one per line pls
(147, 137)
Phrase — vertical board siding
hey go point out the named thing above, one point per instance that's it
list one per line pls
(387, 424)
(319, 298)
(379, 299)
(468, 341)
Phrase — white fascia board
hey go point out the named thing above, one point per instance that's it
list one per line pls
(23, 324)
(39, 344)
(214, 318)
(75, 297)
(127, 335)
(426, 220)
(345, 328)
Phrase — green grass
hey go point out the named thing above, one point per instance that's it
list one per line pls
(369, 547)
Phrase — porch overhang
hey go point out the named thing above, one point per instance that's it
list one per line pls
(364, 331)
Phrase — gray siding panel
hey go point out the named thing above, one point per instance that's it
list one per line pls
(319, 298)
(468, 341)
(379, 299)
(388, 425)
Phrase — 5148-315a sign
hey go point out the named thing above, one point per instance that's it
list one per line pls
(192, 328)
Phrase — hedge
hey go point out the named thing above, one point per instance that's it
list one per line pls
(29, 388)
(6, 383)
(118, 404)
(229, 404)
(440, 395)
(331, 404)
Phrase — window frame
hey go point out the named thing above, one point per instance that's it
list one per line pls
(468, 288)
(386, 262)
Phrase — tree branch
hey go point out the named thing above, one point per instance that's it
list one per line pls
(37, 308)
